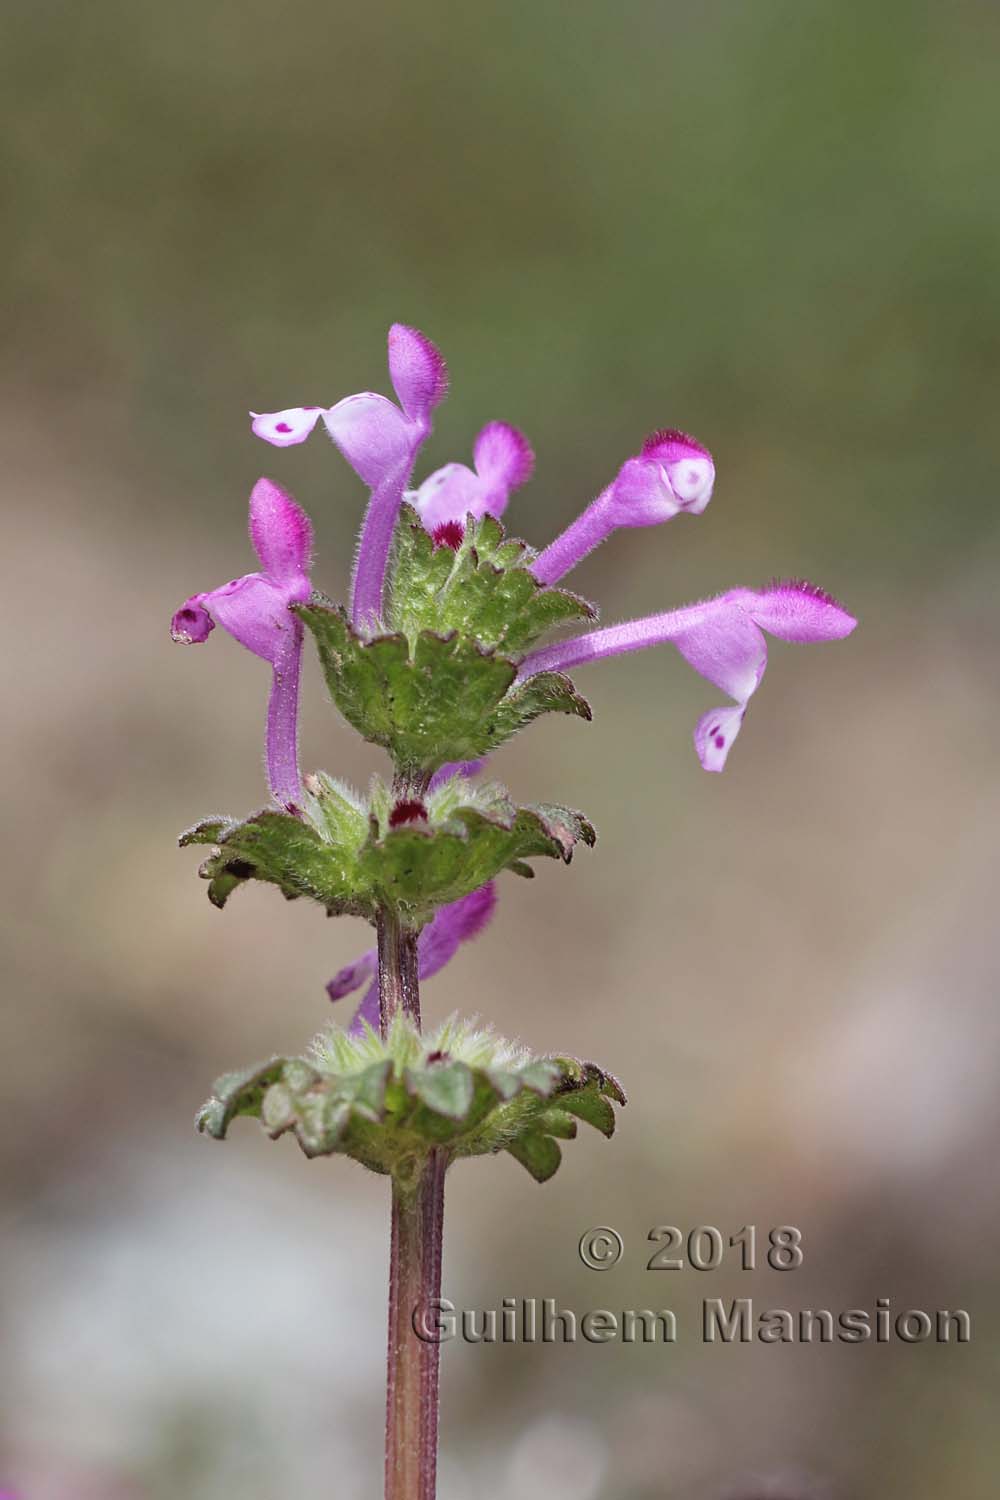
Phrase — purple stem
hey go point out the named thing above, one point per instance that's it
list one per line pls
(572, 545)
(283, 722)
(412, 1363)
(376, 540)
(412, 1405)
(398, 986)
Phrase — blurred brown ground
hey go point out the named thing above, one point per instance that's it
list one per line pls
(774, 224)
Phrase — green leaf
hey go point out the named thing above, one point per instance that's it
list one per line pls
(426, 706)
(290, 852)
(439, 685)
(447, 1088)
(485, 591)
(546, 693)
(541, 1076)
(387, 1103)
(593, 1108)
(538, 1153)
(578, 1075)
(416, 868)
(559, 1123)
(208, 831)
(340, 850)
(239, 1093)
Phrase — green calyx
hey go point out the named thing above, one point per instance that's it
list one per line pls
(348, 853)
(439, 684)
(388, 1103)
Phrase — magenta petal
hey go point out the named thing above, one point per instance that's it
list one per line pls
(372, 434)
(418, 372)
(503, 457)
(284, 428)
(642, 495)
(726, 647)
(281, 533)
(688, 467)
(795, 610)
(453, 925)
(466, 768)
(192, 622)
(669, 446)
(503, 461)
(714, 734)
(353, 976)
(254, 611)
(449, 494)
(368, 1012)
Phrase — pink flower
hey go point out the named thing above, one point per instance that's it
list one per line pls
(673, 473)
(380, 441)
(503, 461)
(254, 610)
(722, 638)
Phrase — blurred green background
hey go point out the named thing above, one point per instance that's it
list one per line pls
(775, 224)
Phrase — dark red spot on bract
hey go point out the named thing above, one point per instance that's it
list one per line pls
(449, 534)
(282, 427)
(438, 1056)
(412, 811)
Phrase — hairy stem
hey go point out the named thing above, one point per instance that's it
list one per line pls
(411, 1417)
(412, 1363)
(398, 988)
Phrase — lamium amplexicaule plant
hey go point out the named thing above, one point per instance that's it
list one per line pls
(456, 637)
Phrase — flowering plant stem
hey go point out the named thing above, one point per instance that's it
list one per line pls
(411, 1415)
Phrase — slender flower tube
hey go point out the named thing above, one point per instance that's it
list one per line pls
(673, 473)
(437, 945)
(503, 461)
(380, 441)
(254, 610)
(722, 638)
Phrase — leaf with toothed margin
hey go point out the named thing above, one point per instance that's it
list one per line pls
(435, 696)
(290, 852)
(418, 867)
(388, 1103)
(578, 1075)
(426, 706)
(208, 831)
(342, 851)
(484, 590)
(592, 1107)
(239, 1093)
(545, 693)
